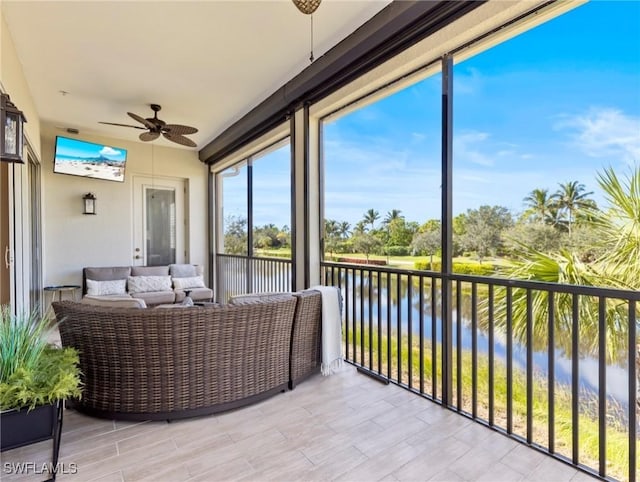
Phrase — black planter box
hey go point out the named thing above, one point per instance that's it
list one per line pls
(24, 427)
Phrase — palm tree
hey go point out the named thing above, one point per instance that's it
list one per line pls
(539, 204)
(343, 229)
(370, 217)
(571, 197)
(618, 229)
(391, 216)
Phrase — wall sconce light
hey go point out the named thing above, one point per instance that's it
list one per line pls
(11, 139)
(89, 203)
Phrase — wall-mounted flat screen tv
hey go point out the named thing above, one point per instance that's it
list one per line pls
(81, 158)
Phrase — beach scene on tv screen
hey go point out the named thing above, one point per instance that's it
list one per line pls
(81, 158)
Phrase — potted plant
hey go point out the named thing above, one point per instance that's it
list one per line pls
(35, 377)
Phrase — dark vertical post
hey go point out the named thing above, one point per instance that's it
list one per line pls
(305, 120)
(459, 344)
(249, 271)
(294, 227)
(474, 349)
(399, 324)
(491, 356)
(551, 364)
(529, 367)
(379, 323)
(633, 402)
(421, 321)
(434, 335)
(575, 380)
(346, 313)
(211, 225)
(409, 330)
(602, 387)
(446, 221)
(388, 290)
(509, 360)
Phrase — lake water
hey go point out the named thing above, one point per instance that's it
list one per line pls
(617, 376)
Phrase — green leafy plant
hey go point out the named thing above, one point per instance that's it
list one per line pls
(32, 372)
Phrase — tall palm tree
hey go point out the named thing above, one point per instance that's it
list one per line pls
(571, 197)
(391, 216)
(343, 229)
(618, 228)
(539, 204)
(370, 217)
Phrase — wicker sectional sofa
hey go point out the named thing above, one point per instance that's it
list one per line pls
(154, 364)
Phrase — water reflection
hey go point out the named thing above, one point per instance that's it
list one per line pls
(406, 301)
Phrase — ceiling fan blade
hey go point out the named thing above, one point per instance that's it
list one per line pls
(142, 120)
(177, 138)
(121, 125)
(149, 136)
(179, 129)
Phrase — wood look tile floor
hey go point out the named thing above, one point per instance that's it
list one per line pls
(345, 427)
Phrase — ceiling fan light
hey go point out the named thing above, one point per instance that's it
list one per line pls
(307, 6)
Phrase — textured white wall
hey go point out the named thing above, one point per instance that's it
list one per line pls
(72, 240)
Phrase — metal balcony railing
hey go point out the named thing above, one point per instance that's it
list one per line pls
(553, 366)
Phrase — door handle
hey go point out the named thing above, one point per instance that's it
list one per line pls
(7, 257)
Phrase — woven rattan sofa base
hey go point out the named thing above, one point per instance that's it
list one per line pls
(150, 364)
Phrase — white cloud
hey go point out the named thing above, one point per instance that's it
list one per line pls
(465, 148)
(107, 151)
(604, 133)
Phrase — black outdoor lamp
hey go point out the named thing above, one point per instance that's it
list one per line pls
(11, 139)
(89, 203)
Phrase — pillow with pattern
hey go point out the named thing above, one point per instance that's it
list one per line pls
(190, 282)
(103, 288)
(149, 284)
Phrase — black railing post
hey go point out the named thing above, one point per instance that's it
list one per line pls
(633, 402)
(249, 282)
(446, 221)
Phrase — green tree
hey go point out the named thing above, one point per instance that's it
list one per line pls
(570, 198)
(617, 234)
(535, 235)
(483, 229)
(370, 217)
(235, 235)
(426, 243)
(393, 215)
(366, 243)
(539, 204)
(331, 235)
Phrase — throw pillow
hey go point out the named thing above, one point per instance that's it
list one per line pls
(186, 283)
(148, 284)
(102, 288)
(182, 270)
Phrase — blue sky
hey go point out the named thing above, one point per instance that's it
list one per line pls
(81, 149)
(555, 104)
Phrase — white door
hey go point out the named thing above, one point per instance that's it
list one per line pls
(159, 222)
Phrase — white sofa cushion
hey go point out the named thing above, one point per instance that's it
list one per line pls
(103, 288)
(114, 301)
(148, 284)
(190, 282)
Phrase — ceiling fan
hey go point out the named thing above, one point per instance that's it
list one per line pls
(155, 127)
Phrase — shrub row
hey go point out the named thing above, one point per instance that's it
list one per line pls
(377, 262)
(461, 268)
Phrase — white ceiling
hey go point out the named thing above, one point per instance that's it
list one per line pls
(207, 63)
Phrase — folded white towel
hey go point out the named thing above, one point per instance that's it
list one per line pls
(331, 329)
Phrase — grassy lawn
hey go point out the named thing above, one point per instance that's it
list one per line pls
(405, 262)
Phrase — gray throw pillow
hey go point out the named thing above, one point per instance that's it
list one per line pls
(182, 270)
